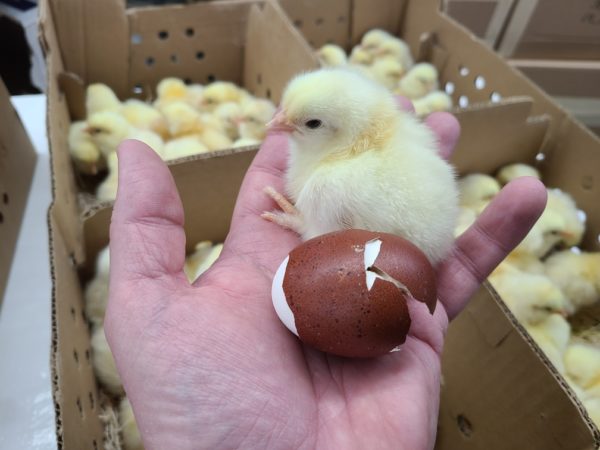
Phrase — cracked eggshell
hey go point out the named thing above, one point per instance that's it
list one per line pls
(327, 293)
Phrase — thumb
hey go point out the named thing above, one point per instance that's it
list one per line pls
(147, 240)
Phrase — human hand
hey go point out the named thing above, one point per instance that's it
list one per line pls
(211, 366)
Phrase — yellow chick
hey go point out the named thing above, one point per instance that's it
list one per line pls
(84, 153)
(229, 113)
(543, 236)
(562, 204)
(592, 405)
(245, 142)
(552, 335)
(526, 262)
(194, 95)
(530, 297)
(361, 57)
(128, 425)
(182, 118)
(219, 92)
(397, 49)
(104, 363)
(432, 102)
(184, 146)
(512, 171)
(578, 275)
(582, 362)
(96, 292)
(477, 190)
(387, 71)
(214, 139)
(254, 117)
(373, 39)
(107, 190)
(356, 161)
(170, 89)
(331, 55)
(145, 117)
(108, 129)
(205, 254)
(419, 81)
(100, 97)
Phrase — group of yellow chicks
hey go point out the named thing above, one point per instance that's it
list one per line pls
(183, 120)
(543, 286)
(387, 59)
(96, 298)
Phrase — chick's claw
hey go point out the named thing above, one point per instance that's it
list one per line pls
(289, 217)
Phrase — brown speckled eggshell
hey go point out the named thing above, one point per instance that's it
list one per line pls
(325, 287)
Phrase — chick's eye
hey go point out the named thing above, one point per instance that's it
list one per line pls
(313, 124)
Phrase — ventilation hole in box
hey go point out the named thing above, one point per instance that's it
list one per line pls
(540, 157)
(76, 356)
(259, 78)
(149, 61)
(268, 94)
(79, 407)
(73, 315)
(449, 88)
(495, 97)
(137, 89)
(1, 218)
(92, 400)
(463, 101)
(319, 21)
(199, 55)
(341, 19)
(581, 215)
(587, 182)
(174, 59)
(189, 32)
(87, 355)
(479, 82)
(298, 23)
(95, 444)
(163, 35)
(575, 250)
(136, 39)
(5, 198)
(463, 71)
(211, 78)
(464, 425)
(72, 259)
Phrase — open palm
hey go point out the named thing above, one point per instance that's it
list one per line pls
(211, 366)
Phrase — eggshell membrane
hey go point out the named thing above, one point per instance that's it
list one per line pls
(334, 311)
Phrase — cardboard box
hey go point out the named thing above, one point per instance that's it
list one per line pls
(553, 29)
(485, 18)
(17, 163)
(483, 401)
(235, 39)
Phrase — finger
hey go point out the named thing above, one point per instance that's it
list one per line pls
(447, 131)
(147, 239)
(499, 229)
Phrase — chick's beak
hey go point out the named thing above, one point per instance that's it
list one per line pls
(280, 123)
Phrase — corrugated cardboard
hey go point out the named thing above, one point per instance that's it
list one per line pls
(483, 395)
(17, 162)
(485, 18)
(553, 29)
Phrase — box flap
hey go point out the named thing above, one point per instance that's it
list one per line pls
(263, 53)
(74, 388)
(483, 147)
(17, 163)
(483, 409)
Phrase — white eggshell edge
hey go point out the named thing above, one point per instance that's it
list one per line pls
(279, 301)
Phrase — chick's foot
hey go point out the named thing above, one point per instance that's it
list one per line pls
(289, 217)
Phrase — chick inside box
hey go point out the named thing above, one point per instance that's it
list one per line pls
(500, 390)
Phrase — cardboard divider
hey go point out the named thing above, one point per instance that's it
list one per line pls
(17, 163)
